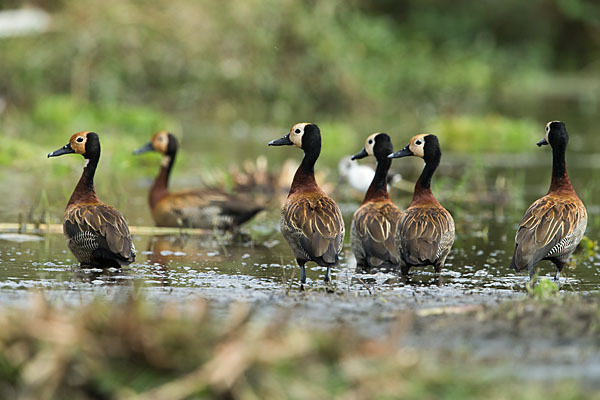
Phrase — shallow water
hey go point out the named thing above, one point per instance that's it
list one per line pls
(235, 269)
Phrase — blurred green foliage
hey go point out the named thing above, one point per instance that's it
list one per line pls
(394, 66)
(489, 133)
(544, 289)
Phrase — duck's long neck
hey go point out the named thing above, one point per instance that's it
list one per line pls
(85, 191)
(378, 189)
(560, 177)
(160, 187)
(304, 179)
(422, 192)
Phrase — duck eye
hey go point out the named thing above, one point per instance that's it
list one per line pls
(418, 142)
(370, 141)
(79, 139)
(297, 131)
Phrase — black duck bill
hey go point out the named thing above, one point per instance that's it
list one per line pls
(542, 142)
(144, 149)
(361, 154)
(66, 149)
(405, 152)
(284, 141)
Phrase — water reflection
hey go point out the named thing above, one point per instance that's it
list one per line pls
(210, 252)
(220, 266)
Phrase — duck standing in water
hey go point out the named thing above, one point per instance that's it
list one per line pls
(311, 222)
(200, 208)
(554, 224)
(425, 231)
(96, 233)
(374, 224)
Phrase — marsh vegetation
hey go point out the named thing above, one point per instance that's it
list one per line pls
(216, 316)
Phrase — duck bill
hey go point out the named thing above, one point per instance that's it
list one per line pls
(405, 152)
(542, 142)
(284, 141)
(66, 149)
(144, 149)
(361, 154)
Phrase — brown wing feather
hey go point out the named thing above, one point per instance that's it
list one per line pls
(545, 223)
(107, 222)
(420, 233)
(315, 226)
(376, 226)
(204, 209)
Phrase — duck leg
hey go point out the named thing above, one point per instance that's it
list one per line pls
(302, 274)
(327, 278)
(559, 267)
(438, 266)
(404, 269)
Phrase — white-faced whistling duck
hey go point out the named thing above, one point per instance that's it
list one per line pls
(311, 222)
(553, 225)
(425, 232)
(374, 224)
(200, 208)
(96, 233)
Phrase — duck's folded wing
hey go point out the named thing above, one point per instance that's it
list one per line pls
(547, 226)
(211, 204)
(107, 223)
(319, 224)
(424, 233)
(377, 231)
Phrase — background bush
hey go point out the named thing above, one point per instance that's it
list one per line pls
(397, 66)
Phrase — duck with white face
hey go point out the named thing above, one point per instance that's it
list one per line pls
(96, 233)
(206, 208)
(374, 224)
(425, 231)
(553, 225)
(311, 221)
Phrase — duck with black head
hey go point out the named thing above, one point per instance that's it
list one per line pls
(554, 224)
(205, 208)
(425, 231)
(96, 233)
(374, 224)
(311, 222)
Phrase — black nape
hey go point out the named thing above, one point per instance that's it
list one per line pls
(173, 145)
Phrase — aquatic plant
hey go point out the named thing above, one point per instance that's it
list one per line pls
(544, 289)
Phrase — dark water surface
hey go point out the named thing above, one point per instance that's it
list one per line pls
(226, 269)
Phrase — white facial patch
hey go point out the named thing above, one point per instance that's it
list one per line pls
(547, 130)
(370, 144)
(297, 132)
(417, 145)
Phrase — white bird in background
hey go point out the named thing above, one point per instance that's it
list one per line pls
(357, 175)
(360, 176)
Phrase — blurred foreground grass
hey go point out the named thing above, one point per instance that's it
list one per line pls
(138, 351)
